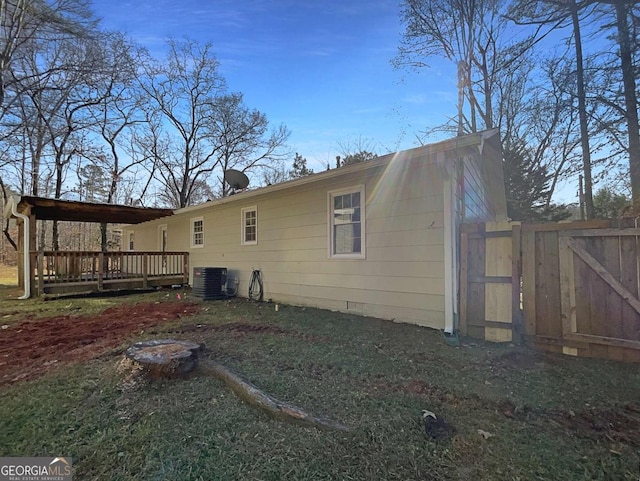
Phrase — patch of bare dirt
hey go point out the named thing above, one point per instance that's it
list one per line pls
(242, 328)
(619, 425)
(33, 347)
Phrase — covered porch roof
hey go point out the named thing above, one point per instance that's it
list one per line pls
(29, 209)
(42, 208)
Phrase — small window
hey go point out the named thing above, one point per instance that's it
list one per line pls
(346, 223)
(130, 241)
(197, 232)
(249, 226)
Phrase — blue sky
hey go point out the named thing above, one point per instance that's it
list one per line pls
(320, 67)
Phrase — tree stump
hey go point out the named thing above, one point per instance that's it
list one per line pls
(165, 358)
(169, 358)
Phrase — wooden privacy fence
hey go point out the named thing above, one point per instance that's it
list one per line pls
(71, 271)
(574, 287)
(490, 281)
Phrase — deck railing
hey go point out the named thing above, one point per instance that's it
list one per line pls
(65, 271)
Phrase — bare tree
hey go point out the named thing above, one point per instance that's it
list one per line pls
(243, 138)
(182, 93)
(625, 41)
(195, 128)
(23, 21)
(470, 34)
(117, 117)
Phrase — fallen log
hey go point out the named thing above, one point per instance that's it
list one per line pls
(249, 393)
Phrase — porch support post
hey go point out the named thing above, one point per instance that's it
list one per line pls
(32, 249)
(185, 268)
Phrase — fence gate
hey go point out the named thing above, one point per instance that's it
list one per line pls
(580, 287)
(490, 281)
(578, 284)
(599, 290)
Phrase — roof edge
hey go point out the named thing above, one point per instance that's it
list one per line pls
(453, 143)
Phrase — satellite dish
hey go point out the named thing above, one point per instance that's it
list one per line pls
(237, 180)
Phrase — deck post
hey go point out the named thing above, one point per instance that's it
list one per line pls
(40, 267)
(100, 271)
(145, 267)
(185, 268)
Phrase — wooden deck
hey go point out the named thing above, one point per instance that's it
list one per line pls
(61, 272)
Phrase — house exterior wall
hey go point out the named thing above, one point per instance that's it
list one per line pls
(483, 188)
(477, 204)
(401, 276)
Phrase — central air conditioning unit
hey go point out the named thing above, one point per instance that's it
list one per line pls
(210, 283)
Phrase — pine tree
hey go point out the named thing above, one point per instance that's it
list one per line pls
(527, 185)
(300, 168)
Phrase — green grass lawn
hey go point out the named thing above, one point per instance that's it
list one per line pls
(548, 417)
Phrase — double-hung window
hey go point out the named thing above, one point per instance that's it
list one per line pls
(250, 226)
(197, 232)
(346, 223)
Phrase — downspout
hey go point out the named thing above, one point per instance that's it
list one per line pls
(450, 242)
(25, 248)
(449, 256)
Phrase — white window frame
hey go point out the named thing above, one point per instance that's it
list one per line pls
(243, 226)
(192, 223)
(131, 241)
(331, 195)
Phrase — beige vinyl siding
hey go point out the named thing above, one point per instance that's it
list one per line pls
(401, 277)
(477, 206)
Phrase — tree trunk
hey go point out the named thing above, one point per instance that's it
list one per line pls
(582, 113)
(254, 396)
(631, 103)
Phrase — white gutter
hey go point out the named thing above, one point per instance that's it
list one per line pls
(25, 248)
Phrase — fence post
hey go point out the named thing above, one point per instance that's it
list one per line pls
(529, 281)
(516, 259)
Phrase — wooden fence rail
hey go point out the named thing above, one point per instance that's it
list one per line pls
(70, 271)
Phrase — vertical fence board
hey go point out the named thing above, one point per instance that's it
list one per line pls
(613, 310)
(516, 267)
(597, 290)
(567, 287)
(582, 294)
(476, 290)
(464, 280)
(529, 282)
(629, 279)
(549, 318)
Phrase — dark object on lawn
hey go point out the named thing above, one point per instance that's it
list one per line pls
(249, 393)
(165, 358)
(436, 429)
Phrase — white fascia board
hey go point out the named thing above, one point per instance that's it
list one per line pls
(465, 141)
